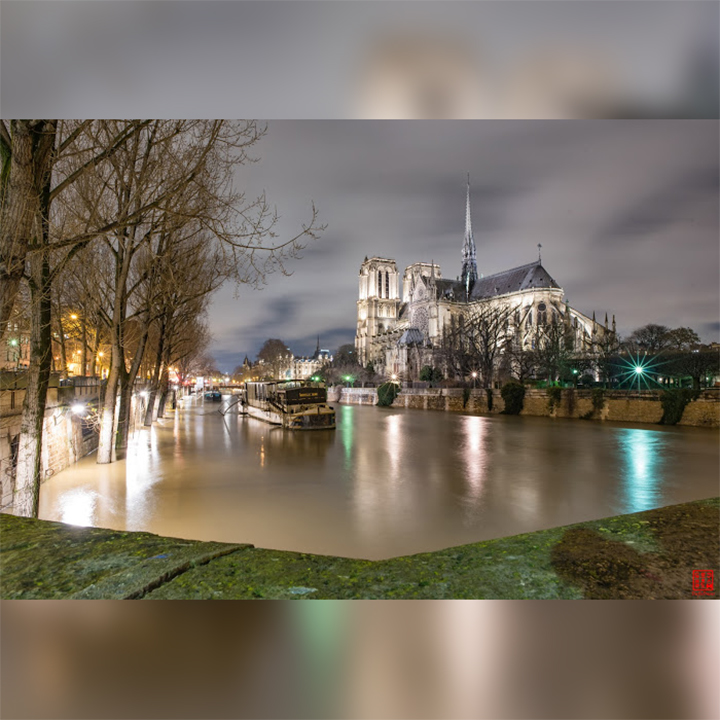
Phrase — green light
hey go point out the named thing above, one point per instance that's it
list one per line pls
(642, 368)
(13, 343)
(575, 372)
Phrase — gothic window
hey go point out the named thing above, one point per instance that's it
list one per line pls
(387, 284)
(517, 316)
(420, 320)
(379, 283)
(528, 322)
(542, 314)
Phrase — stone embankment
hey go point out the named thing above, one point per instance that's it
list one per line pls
(616, 405)
(650, 554)
(67, 436)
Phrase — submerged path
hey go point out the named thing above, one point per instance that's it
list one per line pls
(649, 554)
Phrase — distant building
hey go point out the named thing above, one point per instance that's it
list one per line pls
(305, 367)
(398, 333)
(15, 348)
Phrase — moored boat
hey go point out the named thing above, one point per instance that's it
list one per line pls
(292, 404)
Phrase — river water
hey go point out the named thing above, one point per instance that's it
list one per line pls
(386, 482)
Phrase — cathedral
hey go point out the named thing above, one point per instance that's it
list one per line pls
(399, 333)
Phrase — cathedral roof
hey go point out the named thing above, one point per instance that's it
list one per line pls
(411, 336)
(525, 277)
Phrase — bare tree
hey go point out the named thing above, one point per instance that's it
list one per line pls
(649, 338)
(67, 184)
(475, 341)
(275, 355)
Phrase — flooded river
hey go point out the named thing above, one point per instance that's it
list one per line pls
(386, 482)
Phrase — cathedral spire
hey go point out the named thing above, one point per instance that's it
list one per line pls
(469, 263)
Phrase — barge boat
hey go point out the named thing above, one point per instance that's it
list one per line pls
(292, 404)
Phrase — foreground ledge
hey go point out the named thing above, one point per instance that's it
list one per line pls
(645, 555)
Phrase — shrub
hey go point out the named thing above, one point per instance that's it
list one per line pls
(387, 392)
(489, 396)
(674, 402)
(570, 397)
(513, 393)
(466, 396)
(598, 399)
(554, 397)
(430, 374)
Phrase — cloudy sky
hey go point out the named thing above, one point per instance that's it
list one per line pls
(626, 212)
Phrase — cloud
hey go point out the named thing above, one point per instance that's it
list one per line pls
(626, 211)
(674, 203)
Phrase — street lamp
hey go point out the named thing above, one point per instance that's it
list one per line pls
(474, 377)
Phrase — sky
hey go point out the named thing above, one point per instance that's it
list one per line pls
(626, 212)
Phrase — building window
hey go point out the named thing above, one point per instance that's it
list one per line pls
(387, 284)
(542, 314)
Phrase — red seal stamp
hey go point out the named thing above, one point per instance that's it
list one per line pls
(703, 582)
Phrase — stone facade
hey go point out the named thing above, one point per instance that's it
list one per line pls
(574, 404)
(399, 334)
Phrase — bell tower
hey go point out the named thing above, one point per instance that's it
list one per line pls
(377, 305)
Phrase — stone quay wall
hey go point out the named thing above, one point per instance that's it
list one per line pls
(618, 405)
(67, 437)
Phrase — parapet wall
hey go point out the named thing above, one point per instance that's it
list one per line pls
(618, 406)
(66, 436)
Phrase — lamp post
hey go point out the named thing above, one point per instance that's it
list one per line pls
(474, 377)
(639, 370)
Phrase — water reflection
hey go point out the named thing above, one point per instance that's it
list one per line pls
(77, 507)
(387, 482)
(642, 453)
(474, 456)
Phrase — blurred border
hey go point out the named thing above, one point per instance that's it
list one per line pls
(363, 659)
(311, 59)
(355, 59)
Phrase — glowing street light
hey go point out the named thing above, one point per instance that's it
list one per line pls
(642, 368)
(77, 409)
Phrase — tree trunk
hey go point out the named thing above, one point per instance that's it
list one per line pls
(96, 350)
(123, 429)
(107, 417)
(28, 477)
(127, 384)
(63, 349)
(30, 163)
(164, 384)
(84, 347)
(155, 378)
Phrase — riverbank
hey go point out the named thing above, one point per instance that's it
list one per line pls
(605, 405)
(644, 555)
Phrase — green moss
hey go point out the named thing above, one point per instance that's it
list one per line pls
(513, 393)
(554, 397)
(42, 559)
(674, 402)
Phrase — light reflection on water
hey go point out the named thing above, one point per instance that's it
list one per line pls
(642, 451)
(387, 482)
